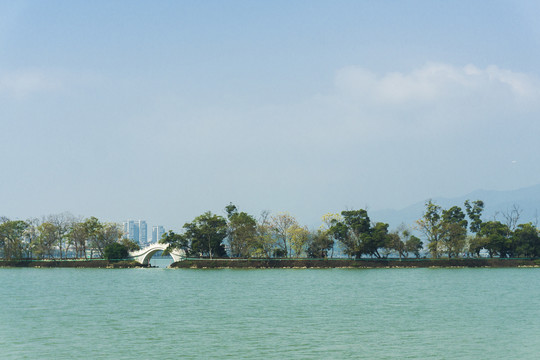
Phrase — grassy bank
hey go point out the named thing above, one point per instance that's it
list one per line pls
(349, 263)
(71, 264)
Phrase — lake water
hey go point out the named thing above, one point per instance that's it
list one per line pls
(276, 313)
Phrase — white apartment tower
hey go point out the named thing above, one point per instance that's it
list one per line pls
(143, 233)
(157, 233)
(136, 231)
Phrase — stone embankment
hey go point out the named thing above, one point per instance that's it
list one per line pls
(70, 264)
(349, 263)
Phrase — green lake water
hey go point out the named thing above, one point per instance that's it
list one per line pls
(275, 313)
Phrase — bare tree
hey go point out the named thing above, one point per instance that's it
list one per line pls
(265, 241)
(512, 216)
(62, 223)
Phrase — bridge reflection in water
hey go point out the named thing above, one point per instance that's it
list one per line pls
(158, 261)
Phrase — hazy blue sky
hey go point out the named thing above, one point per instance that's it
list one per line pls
(162, 110)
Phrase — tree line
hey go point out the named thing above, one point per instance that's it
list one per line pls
(454, 232)
(241, 235)
(59, 236)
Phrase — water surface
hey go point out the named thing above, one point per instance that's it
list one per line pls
(272, 313)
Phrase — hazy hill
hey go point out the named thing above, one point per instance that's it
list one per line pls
(496, 203)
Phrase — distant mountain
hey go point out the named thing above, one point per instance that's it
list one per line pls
(496, 203)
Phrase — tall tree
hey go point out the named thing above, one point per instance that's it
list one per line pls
(497, 238)
(242, 232)
(130, 245)
(376, 239)
(62, 223)
(512, 216)
(12, 237)
(281, 223)
(328, 221)
(92, 228)
(265, 239)
(31, 235)
(474, 212)
(353, 232)
(319, 243)
(46, 241)
(107, 234)
(299, 237)
(430, 224)
(206, 234)
(526, 240)
(413, 245)
(176, 241)
(454, 231)
(77, 238)
(476, 244)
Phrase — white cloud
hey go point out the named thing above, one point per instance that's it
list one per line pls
(436, 100)
(21, 84)
(435, 82)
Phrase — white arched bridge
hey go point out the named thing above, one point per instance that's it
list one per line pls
(143, 256)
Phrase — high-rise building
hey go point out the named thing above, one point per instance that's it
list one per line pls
(157, 233)
(143, 234)
(136, 231)
(131, 230)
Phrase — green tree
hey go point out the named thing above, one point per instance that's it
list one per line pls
(357, 237)
(352, 231)
(430, 224)
(319, 243)
(115, 251)
(46, 240)
(526, 240)
(496, 238)
(92, 228)
(474, 212)
(454, 231)
(395, 243)
(130, 244)
(377, 238)
(413, 245)
(299, 237)
(476, 244)
(108, 234)
(328, 221)
(12, 238)
(242, 232)
(30, 236)
(176, 241)
(206, 234)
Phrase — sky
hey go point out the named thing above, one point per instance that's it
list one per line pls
(162, 110)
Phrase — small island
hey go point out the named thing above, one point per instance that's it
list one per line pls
(453, 237)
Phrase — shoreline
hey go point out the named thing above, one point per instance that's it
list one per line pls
(350, 263)
(89, 264)
(283, 263)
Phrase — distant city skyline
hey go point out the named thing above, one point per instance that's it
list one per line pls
(137, 230)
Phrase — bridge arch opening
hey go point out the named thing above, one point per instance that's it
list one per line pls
(159, 260)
